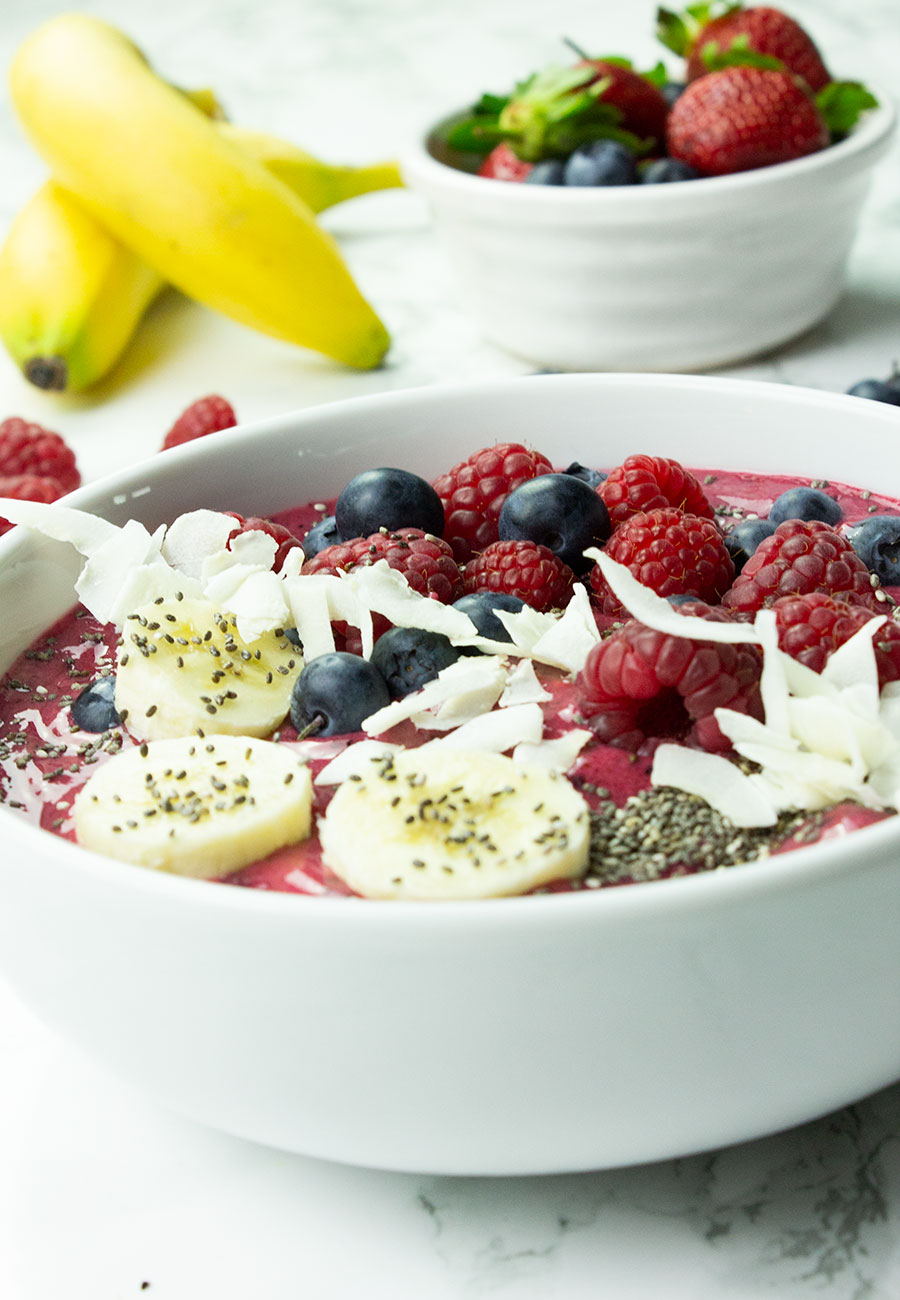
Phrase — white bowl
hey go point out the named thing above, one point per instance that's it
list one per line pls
(680, 276)
(521, 1035)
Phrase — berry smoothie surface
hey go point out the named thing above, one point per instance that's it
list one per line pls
(639, 832)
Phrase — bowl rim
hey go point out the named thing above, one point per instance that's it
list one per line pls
(870, 135)
(726, 886)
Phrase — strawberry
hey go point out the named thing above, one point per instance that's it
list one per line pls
(708, 41)
(742, 118)
(641, 104)
(502, 164)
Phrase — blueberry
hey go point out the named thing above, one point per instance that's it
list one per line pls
(320, 536)
(805, 503)
(672, 90)
(668, 169)
(603, 162)
(557, 511)
(480, 608)
(335, 692)
(878, 390)
(95, 709)
(877, 543)
(549, 172)
(593, 477)
(388, 498)
(744, 538)
(682, 598)
(408, 657)
(294, 637)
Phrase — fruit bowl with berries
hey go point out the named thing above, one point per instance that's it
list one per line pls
(602, 216)
(550, 747)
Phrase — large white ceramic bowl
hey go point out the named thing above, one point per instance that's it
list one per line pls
(507, 1036)
(680, 276)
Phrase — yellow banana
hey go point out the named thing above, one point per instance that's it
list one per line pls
(203, 213)
(72, 295)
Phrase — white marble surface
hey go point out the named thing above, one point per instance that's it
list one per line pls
(100, 1191)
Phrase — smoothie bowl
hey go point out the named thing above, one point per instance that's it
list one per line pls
(336, 1006)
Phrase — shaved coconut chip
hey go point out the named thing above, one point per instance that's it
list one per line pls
(254, 550)
(571, 638)
(724, 787)
(854, 662)
(656, 612)
(312, 749)
(387, 592)
(311, 617)
(195, 536)
(84, 531)
(355, 760)
(558, 754)
(525, 626)
(773, 683)
(257, 601)
(122, 570)
(470, 686)
(496, 732)
(292, 562)
(523, 687)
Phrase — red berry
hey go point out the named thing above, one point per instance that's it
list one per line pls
(207, 415)
(426, 562)
(472, 493)
(742, 118)
(765, 31)
(28, 487)
(642, 105)
(524, 569)
(639, 684)
(283, 536)
(503, 164)
(811, 627)
(801, 556)
(30, 449)
(672, 553)
(643, 483)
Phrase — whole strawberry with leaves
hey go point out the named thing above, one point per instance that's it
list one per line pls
(744, 117)
(709, 35)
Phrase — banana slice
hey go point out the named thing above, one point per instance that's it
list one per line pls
(436, 823)
(183, 666)
(196, 806)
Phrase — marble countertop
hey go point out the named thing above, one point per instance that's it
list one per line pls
(102, 1195)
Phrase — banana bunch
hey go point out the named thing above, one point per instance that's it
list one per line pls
(225, 214)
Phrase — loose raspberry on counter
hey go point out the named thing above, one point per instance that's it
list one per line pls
(639, 684)
(28, 487)
(472, 493)
(812, 627)
(672, 553)
(524, 569)
(801, 556)
(425, 561)
(644, 483)
(30, 449)
(253, 523)
(207, 415)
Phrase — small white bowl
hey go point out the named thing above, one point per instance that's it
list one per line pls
(510, 1036)
(680, 276)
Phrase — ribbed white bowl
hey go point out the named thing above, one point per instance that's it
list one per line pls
(678, 276)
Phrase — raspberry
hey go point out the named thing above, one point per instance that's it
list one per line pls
(426, 562)
(640, 684)
(283, 536)
(801, 556)
(644, 483)
(31, 449)
(28, 487)
(207, 415)
(472, 493)
(672, 553)
(811, 627)
(524, 569)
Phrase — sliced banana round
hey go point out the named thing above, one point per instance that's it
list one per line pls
(183, 665)
(200, 806)
(435, 823)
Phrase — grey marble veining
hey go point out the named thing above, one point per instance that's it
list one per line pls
(129, 1194)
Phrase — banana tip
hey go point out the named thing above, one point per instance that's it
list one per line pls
(49, 373)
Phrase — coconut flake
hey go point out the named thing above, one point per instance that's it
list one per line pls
(385, 591)
(523, 687)
(569, 641)
(496, 732)
(84, 531)
(723, 785)
(311, 616)
(460, 692)
(194, 537)
(558, 754)
(255, 597)
(355, 760)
